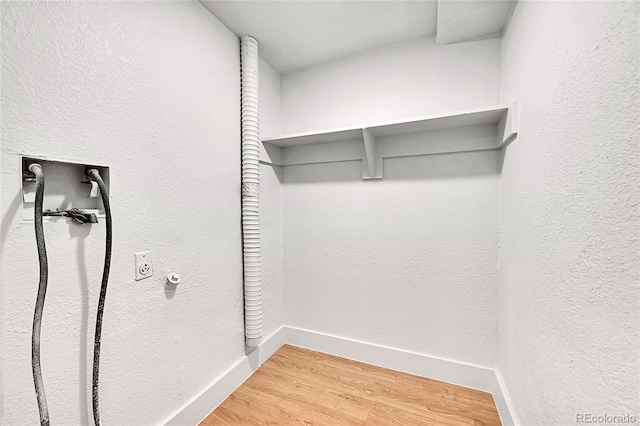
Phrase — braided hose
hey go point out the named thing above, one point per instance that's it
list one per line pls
(94, 175)
(36, 169)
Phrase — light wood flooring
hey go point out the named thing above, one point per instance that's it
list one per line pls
(299, 386)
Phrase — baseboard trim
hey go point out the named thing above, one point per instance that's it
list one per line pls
(445, 370)
(196, 410)
(504, 403)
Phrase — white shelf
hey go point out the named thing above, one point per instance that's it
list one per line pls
(474, 130)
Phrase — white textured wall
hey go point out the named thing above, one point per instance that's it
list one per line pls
(406, 80)
(152, 90)
(569, 259)
(270, 204)
(409, 261)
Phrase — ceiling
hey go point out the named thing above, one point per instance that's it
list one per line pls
(465, 20)
(297, 34)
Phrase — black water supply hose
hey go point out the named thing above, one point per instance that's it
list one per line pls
(95, 175)
(36, 169)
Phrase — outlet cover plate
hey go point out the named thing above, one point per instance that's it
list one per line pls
(144, 265)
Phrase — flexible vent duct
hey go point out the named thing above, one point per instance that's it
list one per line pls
(251, 191)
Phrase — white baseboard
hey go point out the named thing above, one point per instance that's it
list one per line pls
(445, 370)
(503, 402)
(226, 383)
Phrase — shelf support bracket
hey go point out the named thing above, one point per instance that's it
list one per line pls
(508, 126)
(270, 154)
(369, 162)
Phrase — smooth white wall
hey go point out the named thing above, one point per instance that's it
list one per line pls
(410, 261)
(569, 267)
(270, 204)
(152, 90)
(406, 80)
(269, 86)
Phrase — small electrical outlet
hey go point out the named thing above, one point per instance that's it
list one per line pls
(144, 265)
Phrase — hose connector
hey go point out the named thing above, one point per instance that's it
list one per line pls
(173, 279)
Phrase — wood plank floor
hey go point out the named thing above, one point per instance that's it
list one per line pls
(299, 386)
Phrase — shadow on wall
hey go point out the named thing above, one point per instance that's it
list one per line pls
(270, 171)
(8, 219)
(425, 167)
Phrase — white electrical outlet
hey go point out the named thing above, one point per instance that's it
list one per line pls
(144, 265)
